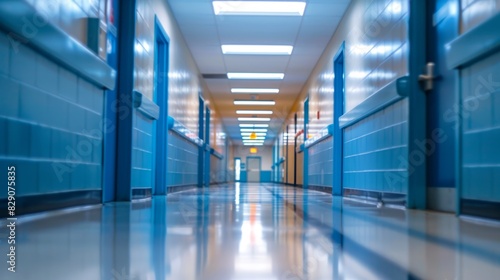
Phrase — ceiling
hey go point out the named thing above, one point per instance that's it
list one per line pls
(205, 32)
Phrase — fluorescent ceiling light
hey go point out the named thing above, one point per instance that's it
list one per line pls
(253, 144)
(257, 49)
(253, 125)
(256, 102)
(253, 130)
(255, 90)
(254, 119)
(253, 141)
(254, 112)
(250, 76)
(259, 8)
(256, 138)
(256, 133)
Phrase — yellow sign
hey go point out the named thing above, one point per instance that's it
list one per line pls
(253, 136)
(253, 150)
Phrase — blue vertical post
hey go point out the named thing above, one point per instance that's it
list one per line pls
(110, 118)
(306, 152)
(126, 43)
(207, 151)
(417, 179)
(201, 135)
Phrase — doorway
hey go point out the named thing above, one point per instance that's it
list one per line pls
(237, 169)
(161, 99)
(338, 111)
(253, 169)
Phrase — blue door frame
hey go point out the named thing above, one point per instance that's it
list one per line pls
(207, 150)
(417, 179)
(338, 110)
(306, 153)
(161, 98)
(201, 135)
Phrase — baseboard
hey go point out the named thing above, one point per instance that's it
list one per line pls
(480, 208)
(142, 193)
(441, 199)
(175, 189)
(322, 189)
(52, 201)
(397, 199)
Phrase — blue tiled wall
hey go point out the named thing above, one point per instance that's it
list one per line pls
(321, 163)
(481, 130)
(376, 151)
(142, 151)
(375, 36)
(182, 161)
(50, 122)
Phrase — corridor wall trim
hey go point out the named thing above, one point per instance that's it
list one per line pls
(55, 44)
(323, 134)
(183, 131)
(146, 106)
(386, 96)
(216, 154)
(474, 44)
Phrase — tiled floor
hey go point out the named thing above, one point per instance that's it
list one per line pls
(251, 231)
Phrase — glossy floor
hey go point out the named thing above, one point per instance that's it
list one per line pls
(251, 231)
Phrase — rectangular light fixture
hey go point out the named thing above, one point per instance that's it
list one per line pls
(253, 144)
(257, 49)
(249, 133)
(253, 130)
(254, 112)
(255, 102)
(253, 125)
(254, 119)
(253, 141)
(256, 138)
(255, 76)
(259, 8)
(255, 90)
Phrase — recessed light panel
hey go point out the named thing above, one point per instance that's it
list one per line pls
(254, 119)
(255, 102)
(255, 76)
(256, 133)
(256, 138)
(254, 125)
(259, 8)
(255, 90)
(253, 130)
(257, 49)
(253, 144)
(254, 112)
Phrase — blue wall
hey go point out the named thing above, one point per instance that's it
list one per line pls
(50, 121)
(321, 163)
(376, 151)
(182, 161)
(142, 151)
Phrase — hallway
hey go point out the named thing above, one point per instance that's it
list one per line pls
(252, 231)
(267, 139)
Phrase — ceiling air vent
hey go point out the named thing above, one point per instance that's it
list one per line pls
(214, 76)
